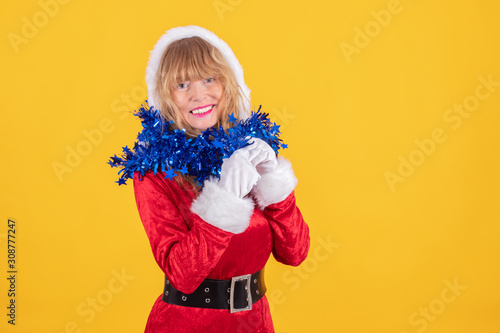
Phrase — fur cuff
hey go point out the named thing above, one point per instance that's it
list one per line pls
(275, 186)
(222, 209)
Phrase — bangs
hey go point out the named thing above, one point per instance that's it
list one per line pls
(190, 59)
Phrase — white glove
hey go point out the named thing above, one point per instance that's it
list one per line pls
(238, 174)
(275, 185)
(261, 155)
(222, 203)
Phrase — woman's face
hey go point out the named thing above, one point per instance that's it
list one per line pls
(198, 102)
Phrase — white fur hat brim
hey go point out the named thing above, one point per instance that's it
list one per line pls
(191, 31)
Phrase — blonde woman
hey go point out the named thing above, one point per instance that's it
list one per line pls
(213, 241)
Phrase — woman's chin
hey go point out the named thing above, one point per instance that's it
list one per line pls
(202, 124)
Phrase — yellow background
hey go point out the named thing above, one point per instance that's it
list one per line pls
(350, 119)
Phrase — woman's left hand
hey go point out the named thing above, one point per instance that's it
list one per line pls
(277, 180)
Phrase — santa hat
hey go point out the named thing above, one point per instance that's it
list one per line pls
(191, 31)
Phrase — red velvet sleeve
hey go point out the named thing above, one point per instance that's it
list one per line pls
(290, 232)
(185, 255)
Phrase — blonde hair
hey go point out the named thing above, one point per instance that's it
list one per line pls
(190, 59)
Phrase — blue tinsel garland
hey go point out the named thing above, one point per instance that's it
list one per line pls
(160, 148)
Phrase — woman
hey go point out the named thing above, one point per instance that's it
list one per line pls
(213, 244)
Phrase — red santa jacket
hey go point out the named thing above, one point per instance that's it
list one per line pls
(189, 250)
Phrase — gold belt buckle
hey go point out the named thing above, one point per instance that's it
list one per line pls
(248, 278)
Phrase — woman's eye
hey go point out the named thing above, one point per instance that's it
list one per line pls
(210, 79)
(181, 85)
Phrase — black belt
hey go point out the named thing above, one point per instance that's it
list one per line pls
(237, 294)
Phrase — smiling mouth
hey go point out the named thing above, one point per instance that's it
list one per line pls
(203, 110)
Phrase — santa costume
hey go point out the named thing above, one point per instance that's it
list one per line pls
(211, 245)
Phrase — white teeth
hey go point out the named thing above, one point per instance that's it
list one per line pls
(202, 110)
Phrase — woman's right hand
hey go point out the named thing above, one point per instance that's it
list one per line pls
(238, 174)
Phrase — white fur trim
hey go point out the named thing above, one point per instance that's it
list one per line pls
(222, 209)
(276, 185)
(191, 31)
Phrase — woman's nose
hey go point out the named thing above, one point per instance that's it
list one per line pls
(197, 91)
